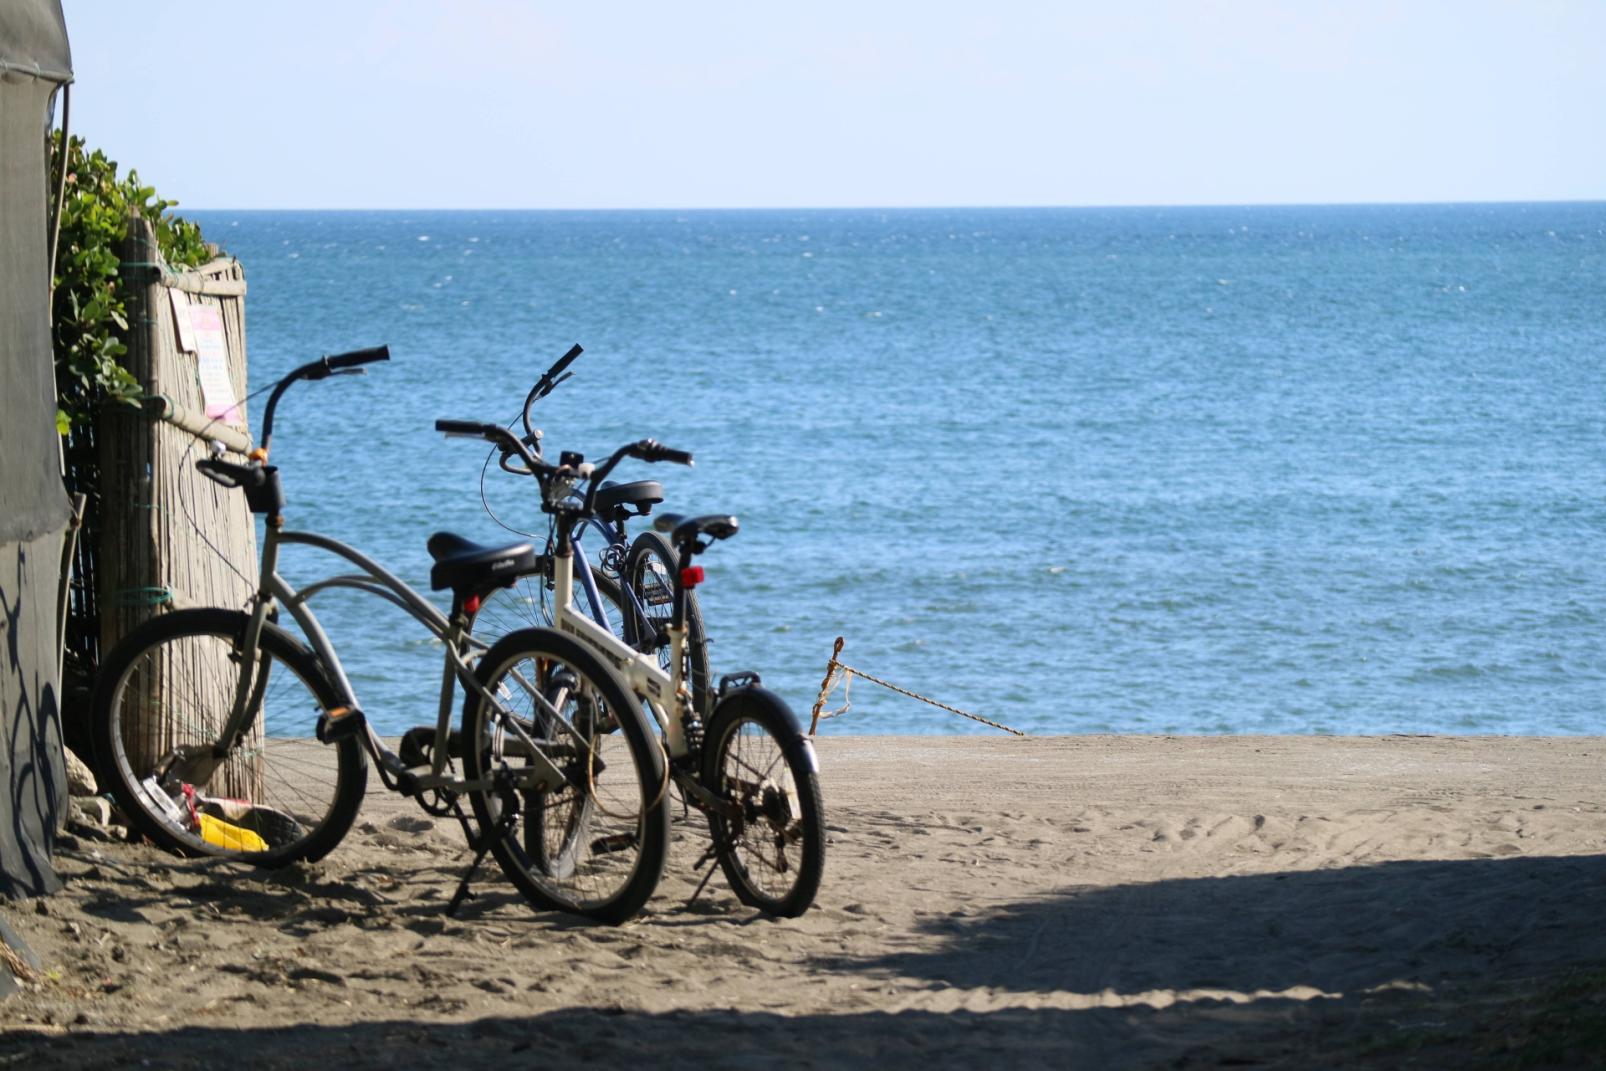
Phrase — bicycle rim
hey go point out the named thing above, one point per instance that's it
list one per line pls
(593, 841)
(772, 848)
(650, 572)
(527, 604)
(275, 795)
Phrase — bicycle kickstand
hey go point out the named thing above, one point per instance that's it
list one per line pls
(481, 845)
(712, 853)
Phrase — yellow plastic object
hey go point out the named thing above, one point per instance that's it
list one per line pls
(218, 832)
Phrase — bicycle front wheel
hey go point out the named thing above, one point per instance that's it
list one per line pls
(578, 782)
(769, 836)
(649, 578)
(270, 796)
(525, 603)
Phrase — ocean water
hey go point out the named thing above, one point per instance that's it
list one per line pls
(1181, 470)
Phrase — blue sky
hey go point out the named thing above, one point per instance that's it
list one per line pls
(474, 104)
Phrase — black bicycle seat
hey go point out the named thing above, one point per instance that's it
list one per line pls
(683, 531)
(465, 567)
(632, 499)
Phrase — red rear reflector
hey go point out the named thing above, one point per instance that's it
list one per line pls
(471, 604)
(691, 576)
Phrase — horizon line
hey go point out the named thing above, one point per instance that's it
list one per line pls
(926, 208)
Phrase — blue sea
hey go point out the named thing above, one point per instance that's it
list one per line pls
(1141, 470)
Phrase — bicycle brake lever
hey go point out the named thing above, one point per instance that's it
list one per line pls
(504, 462)
(548, 388)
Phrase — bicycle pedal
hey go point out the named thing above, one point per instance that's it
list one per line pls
(340, 724)
(396, 775)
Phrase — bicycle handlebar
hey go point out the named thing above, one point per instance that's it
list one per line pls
(322, 368)
(644, 450)
(652, 450)
(543, 386)
(570, 466)
(468, 428)
(260, 481)
(564, 362)
(502, 438)
(353, 359)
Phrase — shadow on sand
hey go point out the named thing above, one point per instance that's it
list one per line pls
(1339, 931)
(1390, 948)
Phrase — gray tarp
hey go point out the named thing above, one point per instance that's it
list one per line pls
(34, 61)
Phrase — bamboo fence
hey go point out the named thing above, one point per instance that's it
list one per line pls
(169, 537)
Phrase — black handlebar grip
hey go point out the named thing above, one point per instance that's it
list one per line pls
(357, 357)
(653, 450)
(563, 362)
(464, 427)
(678, 457)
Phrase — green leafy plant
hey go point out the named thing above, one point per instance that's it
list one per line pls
(90, 303)
(90, 297)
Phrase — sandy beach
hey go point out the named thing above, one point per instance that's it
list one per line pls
(1057, 901)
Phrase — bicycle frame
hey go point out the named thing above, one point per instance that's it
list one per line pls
(588, 582)
(662, 692)
(375, 580)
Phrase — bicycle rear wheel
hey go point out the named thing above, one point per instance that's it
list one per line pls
(591, 836)
(759, 764)
(272, 796)
(649, 574)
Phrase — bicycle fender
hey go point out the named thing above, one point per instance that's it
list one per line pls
(806, 746)
(794, 742)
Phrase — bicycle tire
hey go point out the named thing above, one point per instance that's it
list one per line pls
(650, 569)
(756, 757)
(296, 796)
(586, 846)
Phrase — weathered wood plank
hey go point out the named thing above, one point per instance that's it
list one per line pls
(170, 537)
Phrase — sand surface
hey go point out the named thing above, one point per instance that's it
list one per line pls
(1060, 901)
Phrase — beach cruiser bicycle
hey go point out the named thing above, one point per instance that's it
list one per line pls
(220, 732)
(740, 758)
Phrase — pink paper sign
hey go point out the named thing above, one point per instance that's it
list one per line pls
(212, 349)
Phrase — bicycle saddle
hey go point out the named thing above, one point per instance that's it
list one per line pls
(683, 531)
(632, 499)
(464, 566)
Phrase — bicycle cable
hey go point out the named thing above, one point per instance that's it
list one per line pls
(485, 501)
(185, 506)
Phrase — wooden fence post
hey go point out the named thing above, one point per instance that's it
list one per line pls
(168, 536)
